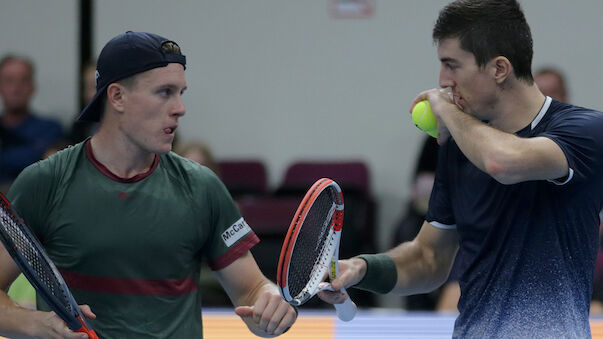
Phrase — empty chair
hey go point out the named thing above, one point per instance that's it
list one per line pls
(244, 177)
(353, 175)
(269, 217)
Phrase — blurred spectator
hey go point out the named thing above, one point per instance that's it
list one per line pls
(57, 146)
(80, 130)
(88, 84)
(24, 136)
(199, 152)
(422, 183)
(447, 296)
(409, 226)
(596, 304)
(551, 82)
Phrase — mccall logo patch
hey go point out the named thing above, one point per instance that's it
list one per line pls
(235, 232)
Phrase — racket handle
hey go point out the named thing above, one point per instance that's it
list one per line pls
(84, 329)
(91, 334)
(347, 310)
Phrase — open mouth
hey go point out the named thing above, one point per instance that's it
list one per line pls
(169, 130)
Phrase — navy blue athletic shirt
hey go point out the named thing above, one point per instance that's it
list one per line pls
(529, 249)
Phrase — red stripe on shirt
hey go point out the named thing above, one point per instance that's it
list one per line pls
(168, 287)
(234, 253)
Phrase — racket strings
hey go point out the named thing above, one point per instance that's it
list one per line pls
(308, 262)
(27, 249)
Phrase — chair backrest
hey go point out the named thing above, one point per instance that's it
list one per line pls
(269, 215)
(352, 175)
(244, 177)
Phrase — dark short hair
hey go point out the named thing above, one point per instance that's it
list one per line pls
(487, 29)
(125, 56)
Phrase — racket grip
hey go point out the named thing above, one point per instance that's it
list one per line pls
(91, 334)
(84, 329)
(347, 310)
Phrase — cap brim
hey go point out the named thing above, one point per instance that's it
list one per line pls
(93, 111)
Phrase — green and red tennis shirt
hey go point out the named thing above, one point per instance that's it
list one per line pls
(132, 248)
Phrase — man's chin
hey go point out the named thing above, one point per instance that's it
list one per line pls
(164, 149)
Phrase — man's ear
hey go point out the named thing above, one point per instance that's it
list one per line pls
(116, 96)
(501, 69)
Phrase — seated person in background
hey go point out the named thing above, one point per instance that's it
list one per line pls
(199, 152)
(596, 304)
(409, 226)
(422, 184)
(24, 136)
(446, 297)
(54, 148)
(80, 130)
(551, 82)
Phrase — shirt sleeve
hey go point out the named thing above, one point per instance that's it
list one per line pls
(440, 213)
(29, 194)
(579, 134)
(231, 236)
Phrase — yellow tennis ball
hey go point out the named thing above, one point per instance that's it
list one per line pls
(423, 118)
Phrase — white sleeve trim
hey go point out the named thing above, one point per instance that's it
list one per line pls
(442, 226)
(569, 177)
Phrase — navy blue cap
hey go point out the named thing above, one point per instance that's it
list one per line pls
(123, 56)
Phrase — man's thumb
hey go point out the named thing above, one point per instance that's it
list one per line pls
(244, 311)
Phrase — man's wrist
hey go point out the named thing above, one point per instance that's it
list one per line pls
(381, 273)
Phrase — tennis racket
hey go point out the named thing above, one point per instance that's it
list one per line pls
(32, 260)
(311, 248)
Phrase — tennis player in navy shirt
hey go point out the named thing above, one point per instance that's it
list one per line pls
(518, 189)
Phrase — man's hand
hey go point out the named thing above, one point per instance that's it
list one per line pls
(271, 316)
(440, 101)
(49, 325)
(351, 272)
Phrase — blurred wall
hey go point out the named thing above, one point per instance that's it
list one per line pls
(282, 80)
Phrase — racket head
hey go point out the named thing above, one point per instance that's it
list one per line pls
(311, 241)
(36, 266)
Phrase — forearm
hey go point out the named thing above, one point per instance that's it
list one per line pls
(13, 318)
(257, 300)
(497, 153)
(420, 268)
(475, 139)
